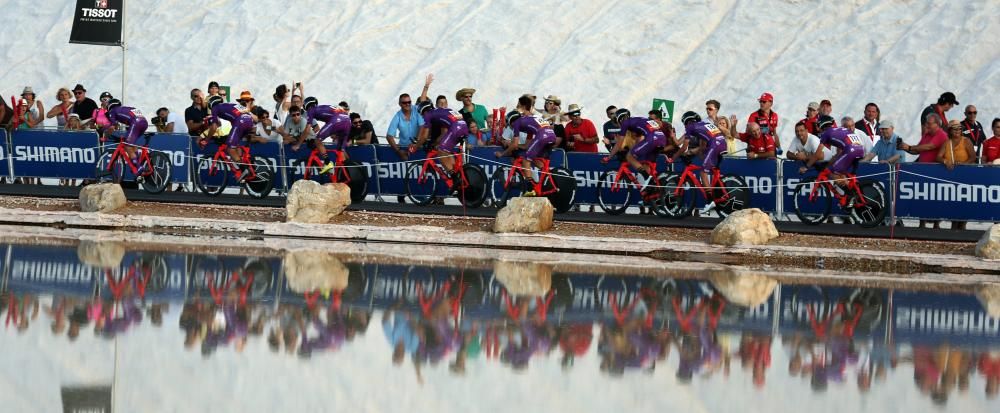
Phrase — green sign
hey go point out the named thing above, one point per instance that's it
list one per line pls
(666, 108)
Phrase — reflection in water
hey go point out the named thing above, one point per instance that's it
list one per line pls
(515, 315)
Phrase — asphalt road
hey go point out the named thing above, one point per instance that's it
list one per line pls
(844, 230)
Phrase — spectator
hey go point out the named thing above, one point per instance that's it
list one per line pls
(885, 148)
(712, 111)
(73, 122)
(295, 130)
(972, 129)
(552, 112)
(6, 114)
(427, 86)
(343, 105)
(476, 136)
(246, 99)
(441, 102)
(404, 125)
(214, 90)
(282, 101)
(478, 112)
(62, 110)
(580, 132)
(826, 108)
(759, 145)
(930, 141)
(169, 122)
(728, 128)
(194, 115)
(611, 128)
(805, 145)
(265, 131)
(766, 120)
(866, 141)
(991, 148)
(34, 116)
(945, 102)
(362, 131)
(84, 106)
(812, 115)
(956, 150)
(869, 124)
(22, 115)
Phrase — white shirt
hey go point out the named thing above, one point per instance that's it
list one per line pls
(812, 143)
(179, 125)
(271, 137)
(866, 140)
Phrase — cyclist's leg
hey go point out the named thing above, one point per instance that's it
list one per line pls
(239, 130)
(645, 150)
(713, 156)
(842, 165)
(135, 130)
(538, 149)
(447, 142)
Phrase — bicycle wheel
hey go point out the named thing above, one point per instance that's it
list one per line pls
(613, 194)
(474, 193)
(739, 195)
(873, 211)
(359, 180)
(106, 172)
(260, 186)
(500, 190)
(565, 187)
(812, 207)
(659, 206)
(159, 178)
(421, 188)
(211, 176)
(678, 199)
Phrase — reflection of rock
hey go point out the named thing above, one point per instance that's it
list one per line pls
(525, 215)
(743, 288)
(989, 245)
(308, 271)
(311, 203)
(524, 278)
(104, 254)
(989, 297)
(748, 226)
(101, 197)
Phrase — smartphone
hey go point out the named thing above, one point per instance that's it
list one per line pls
(899, 143)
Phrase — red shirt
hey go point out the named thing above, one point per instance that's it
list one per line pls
(991, 149)
(761, 145)
(585, 129)
(937, 139)
(768, 123)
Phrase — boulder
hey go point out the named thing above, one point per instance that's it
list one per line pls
(311, 203)
(527, 279)
(748, 226)
(525, 215)
(989, 297)
(102, 254)
(309, 270)
(743, 288)
(989, 245)
(105, 197)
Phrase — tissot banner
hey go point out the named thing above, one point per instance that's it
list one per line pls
(97, 22)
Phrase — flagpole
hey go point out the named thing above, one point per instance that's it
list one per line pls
(124, 48)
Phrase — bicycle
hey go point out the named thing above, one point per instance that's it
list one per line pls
(615, 189)
(422, 181)
(558, 185)
(211, 177)
(351, 173)
(864, 201)
(729, 192)
(156, 166)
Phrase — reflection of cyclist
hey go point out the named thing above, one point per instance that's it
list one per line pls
(542, 138)
(337, 124)
(453, 128)
(242, 127)
(849, 150)
(131, 118)
(706, 139)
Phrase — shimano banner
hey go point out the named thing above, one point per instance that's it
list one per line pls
(54, 154)
(969, 192)
(97, 22)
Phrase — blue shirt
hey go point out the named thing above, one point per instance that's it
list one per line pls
(404, 130)
(885, 149)
(397, 329)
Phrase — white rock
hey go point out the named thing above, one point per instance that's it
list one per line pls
(103, 254)
(311, 270)
(525, 215)
(748, 226)
(989, 297)
(311, 203)
(524, 278)
(104, 197)
(743, 288)
(989, 245)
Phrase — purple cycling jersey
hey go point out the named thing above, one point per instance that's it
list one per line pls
(242, 123)
(698, 132)
(529, 124)
(850, 147)
(447, 118)
(131, 117)
(644, 126)
(543, 137)
(337, 123)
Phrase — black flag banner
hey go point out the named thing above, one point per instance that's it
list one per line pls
(97, 22)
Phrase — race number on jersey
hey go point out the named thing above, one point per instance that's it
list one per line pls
(136, 112)
(855, 139)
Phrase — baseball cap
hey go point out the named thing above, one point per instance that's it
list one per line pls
(766, 97)
(948, 97)
(813, 105)
(106, 95)
(885, 124)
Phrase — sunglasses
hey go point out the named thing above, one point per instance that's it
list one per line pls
(77, 93)
(710, 109)
(356, 122)
(467, 97)
(296, 114)
(971, 113)
(405, 103)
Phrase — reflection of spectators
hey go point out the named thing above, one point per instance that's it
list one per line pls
(399, 331)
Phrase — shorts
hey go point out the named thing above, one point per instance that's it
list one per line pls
(340, 131)
(540, 145)
(647, 149)
(456, 132)
(241, 128)
(713, 154)
(848, 160)
(135, 130)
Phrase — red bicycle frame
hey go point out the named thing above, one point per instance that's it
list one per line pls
(625, 172)
(120, 153)
(544, 172)
(314, 160)
(689, 174)
(429, 164)
(222, 156)
(852, 185)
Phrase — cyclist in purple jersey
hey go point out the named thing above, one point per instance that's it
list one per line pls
(542, 138)
(651, 140)
(849, 150)
(706, 139)
(453, 128)
(132, 118)
(242, 127)
(337, 124)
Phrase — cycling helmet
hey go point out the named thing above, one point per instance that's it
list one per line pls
(824, 121)
(214, 100)
(513, 116)
(690, 116)
(114, 103)
(309, 103)
(423, 107)
(621, 115)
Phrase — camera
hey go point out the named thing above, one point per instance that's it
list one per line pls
(158, 121)
(899, 143)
